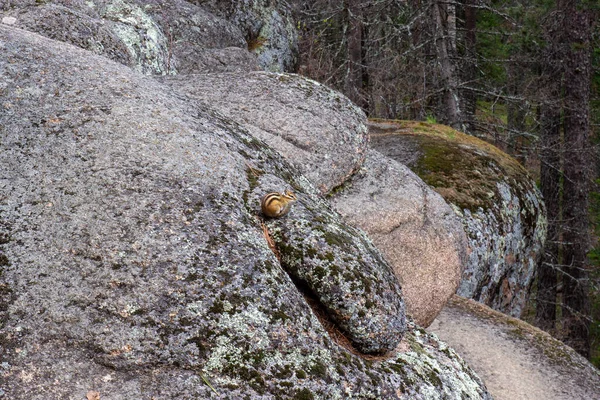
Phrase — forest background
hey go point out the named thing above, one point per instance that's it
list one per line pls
(521, 74)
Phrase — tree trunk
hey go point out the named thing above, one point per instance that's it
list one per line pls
(445, 43)
(577, 61)
(469, 69)
(515, 110)
(550, 176)
(354, 73)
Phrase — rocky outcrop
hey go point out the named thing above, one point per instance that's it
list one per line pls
(501, 208)
(268, 27)
(134, 262)
(324, 135)
(151, 36)
(315, 128)
(413, 226)
(516, 360)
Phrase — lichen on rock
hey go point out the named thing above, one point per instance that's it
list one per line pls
(133, 259)
(500, 206)
(151, 36)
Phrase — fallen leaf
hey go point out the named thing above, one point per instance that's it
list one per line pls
(92, 395)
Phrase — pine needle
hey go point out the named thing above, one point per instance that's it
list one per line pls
(208, 383)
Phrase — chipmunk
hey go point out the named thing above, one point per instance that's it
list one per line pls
(276, 205)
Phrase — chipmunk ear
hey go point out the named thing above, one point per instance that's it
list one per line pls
(290, 194)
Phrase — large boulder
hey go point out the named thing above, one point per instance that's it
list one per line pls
(414, 227)
(151, 36)
(134, 262)
(323, 134)
(501, 208)
(315, 128)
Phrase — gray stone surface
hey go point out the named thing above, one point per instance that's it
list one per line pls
(268, 27)
(500, 206)
(315, 128)
(151, 36)
(133, 262)
(417, 231)
(516, 360)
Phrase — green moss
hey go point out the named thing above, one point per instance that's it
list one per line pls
(319, 272)
(320, 219)
(434, 379)
(279, 315)
(329, 256)
(463, 169)
(217, 307)
(311, 252)
(319, 369)
(333, 239)
(283, 372)
(460, 175)
(257, 357)
(335, 270)
(417, 348)
(268, 265)
(253, 175)
(447, 352)
(300, 374)
(394, 366)
(249, 375)
(4, 261)
(304, 394)
(339, 189)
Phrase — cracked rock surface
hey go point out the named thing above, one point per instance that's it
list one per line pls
(414, 227)
(501, 208)
(315, 128)
(154, 37)
(133, 262)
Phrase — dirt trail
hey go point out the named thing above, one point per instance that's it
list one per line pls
(516, 360)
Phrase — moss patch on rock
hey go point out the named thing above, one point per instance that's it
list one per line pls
(500, 206)
(462, 168)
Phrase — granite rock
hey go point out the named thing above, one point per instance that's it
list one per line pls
(151, 36)
(314, 127)
(416, 230)
(502, 210)
(133, 261)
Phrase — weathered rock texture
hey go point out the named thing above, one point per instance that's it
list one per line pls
(500, 206)
(516, 360)
(133, 262)
(151, 36)
(324, 135)
(315, 128)
(415, 228)
(268, 27)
